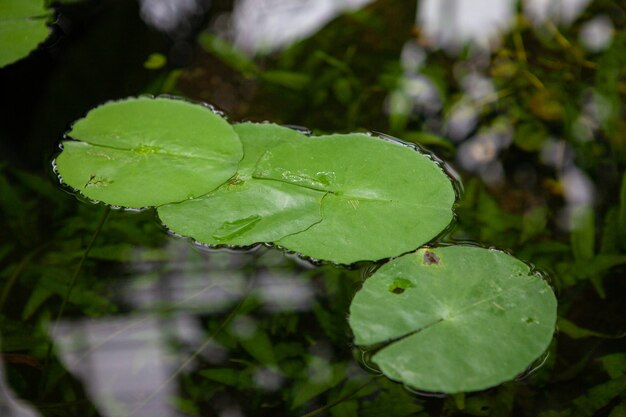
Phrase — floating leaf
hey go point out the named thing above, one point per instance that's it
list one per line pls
(257, 139)
(245, 210)
(147, 152)
(454, 318)
(22, 28)
(383, 198)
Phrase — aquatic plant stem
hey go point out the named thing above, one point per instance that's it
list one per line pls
(339, 400)
(68, 294)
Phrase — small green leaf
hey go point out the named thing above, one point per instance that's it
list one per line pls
(534, 223)
(614, 364)
(383, 198)
(18, 336)
(228, 53)
(155, 61)
(576, 332)
(319, 377)
(598, 397)
(289, 79)
(611, 239)
(473, 318)
(583, 233)
(622, 212)
(227, 376)
(530, 136)
(146, 152)
(38, 296)
(595, 267)
(619, 411)
(259, 346)
(22, 28)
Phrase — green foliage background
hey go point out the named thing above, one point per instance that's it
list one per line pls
(338, 80)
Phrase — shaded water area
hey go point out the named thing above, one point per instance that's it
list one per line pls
(103, 313)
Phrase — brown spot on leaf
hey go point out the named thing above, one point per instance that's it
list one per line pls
(430, 258)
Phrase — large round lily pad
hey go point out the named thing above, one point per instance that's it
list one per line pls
(245, 210)
(383, 198)
(454, 318)
(147, 152)
(22, 28)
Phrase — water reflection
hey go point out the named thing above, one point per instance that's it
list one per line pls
(130, 364)
(127, 359)
(480, 22)
(172, 15)
(465, 113)
(267, 25)
(479, 153)
(462, 119)
(577, 188)
(558, 11)
(280, 293)
(10, 406)
(597, 33)
(122, 362)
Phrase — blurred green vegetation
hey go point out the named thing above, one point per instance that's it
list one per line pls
(558, 105)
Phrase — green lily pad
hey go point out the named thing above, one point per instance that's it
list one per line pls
(384, 198)
(455, 318)
(245, 210)
(22, 28)
(147, 152)
(257, 138)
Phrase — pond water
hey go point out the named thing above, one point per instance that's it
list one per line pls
(103, 313)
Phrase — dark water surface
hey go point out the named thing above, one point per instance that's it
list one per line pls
(102, 313)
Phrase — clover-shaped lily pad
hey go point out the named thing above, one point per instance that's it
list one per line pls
(149, 151)
(245, 210)
(22, 28)
(383, 198)
(454, 318)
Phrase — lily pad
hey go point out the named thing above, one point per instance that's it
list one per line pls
(455, 318)
(258, 138)
(245, 210)
(384, 198)
(149, 151)
(22, 28)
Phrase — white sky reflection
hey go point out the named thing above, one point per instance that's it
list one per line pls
(267, 25)
(170, 15)
(559, 11)
(452, 23)
(10, 405)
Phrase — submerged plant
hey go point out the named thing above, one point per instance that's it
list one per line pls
(22, 28)
(451, 319)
